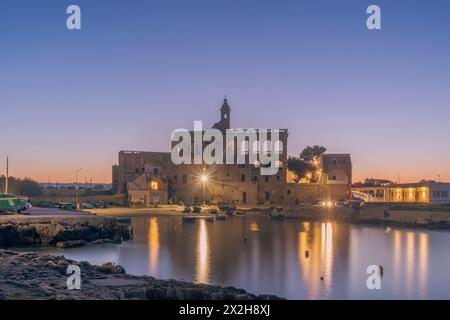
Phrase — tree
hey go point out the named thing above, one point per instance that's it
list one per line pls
(299, 167)
(23, 187)
(304, 164)
(310, 153)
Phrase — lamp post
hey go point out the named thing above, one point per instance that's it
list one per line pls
(76, 188)
(204, 180)
(7, 175)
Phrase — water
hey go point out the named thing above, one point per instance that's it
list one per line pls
(264, 256)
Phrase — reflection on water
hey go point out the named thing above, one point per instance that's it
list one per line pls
(153, 246)
(291, 258)
(202, 254)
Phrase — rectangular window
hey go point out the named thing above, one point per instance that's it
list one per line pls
(184, 178)
(242, 177)
(444, 194)
(175, 177)
(335, 161)
(266, 178)
(267, 196)
(155, 170)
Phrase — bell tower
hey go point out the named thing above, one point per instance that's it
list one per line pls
(225, 112)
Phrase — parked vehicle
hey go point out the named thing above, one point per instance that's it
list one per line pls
(15, 204)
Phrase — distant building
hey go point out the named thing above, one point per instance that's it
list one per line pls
(151, 177)
(429, 192)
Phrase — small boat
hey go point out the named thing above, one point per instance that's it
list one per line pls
(186, 209)
(189, 219)
(230, 212)
(193, 219)
(196, 209)
(14, 204)
(276, 216)
(221, 217)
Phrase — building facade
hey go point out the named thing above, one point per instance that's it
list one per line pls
(151, 177)
(428, 192)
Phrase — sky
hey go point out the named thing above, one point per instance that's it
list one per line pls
(137, 70)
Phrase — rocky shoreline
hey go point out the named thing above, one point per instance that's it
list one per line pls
(31, 276)
(34, 276)
(62, 232)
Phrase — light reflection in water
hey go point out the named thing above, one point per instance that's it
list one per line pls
(254, 226)
(423, 264)
(319, 260)
(153, 246)
(397, 235)
(202, 255)
(410, 241)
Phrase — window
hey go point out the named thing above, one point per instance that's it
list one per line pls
(225, 115)
(267, 196)
(175, 177)
(267, 148)
(242, 177)
(244, 147)
(444, 194)
(255, 178)
(334, 161)
(289, 191)
(155, 170)
(184, 178)
(278, 147)
(332, 178)
(154, 185)
(266, 178)
(256, 147)
(436, 194)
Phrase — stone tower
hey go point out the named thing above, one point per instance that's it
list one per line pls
(225, 113)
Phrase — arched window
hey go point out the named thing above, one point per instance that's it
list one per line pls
(278, 147)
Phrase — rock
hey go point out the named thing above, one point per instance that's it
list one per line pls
(101, 241)
(51, 233)
(71, 244)
(111, 268)
(26, 276)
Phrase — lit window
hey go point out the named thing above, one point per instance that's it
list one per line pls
(154, 185)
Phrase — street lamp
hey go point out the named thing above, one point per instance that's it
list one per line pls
(76, 188)
(204, 179)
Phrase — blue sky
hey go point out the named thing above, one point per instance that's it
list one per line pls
(139, 69)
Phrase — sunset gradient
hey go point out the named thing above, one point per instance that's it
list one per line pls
(140, 69)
